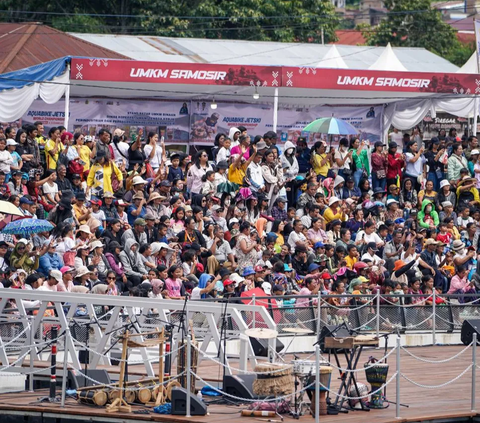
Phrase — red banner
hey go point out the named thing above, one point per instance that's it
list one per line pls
(346, 79)
(174, 73)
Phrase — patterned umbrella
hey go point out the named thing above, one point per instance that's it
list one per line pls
(27, 227)
(331, 126)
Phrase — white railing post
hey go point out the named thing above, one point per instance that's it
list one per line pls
(474, 371)
(31, 339)
(65, 363)
(254, 314)
(319, 312)
(397, 399)
(317, 384)
(434, 319)
(189, 365)
(378, 314)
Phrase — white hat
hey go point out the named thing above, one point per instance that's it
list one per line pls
(473, 152)
(10, 141)
(95, 244)
(338, 180)
(391, 201)
(267, 288)
(57, 275)
(23, 241)
(84, 228)
(82, 270)
(137, 180)
(444, 183)
(235, 277)
(333, 200)
(163, 245)
(447, 204)
(233, 220)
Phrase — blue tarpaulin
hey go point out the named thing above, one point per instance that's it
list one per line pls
(38, 73)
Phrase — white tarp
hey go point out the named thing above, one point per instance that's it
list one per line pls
(470, 66)
(388, 61)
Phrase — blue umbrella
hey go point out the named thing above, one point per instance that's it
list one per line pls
(27, 227)
(331, 126)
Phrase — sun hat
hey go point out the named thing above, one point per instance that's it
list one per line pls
(84, 228)
(57, 275)
(444, 183)
(137, 180)
(82, 270)
(333, 200)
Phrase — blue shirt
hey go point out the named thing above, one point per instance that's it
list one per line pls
(131, 217)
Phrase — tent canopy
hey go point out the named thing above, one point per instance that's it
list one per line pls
(332, 59)
(388, 61)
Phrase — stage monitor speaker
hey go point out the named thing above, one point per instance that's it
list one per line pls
(75, 381)
(469, 327)
(179, 403)
(260, 346)
(332, 331)
(239, 385)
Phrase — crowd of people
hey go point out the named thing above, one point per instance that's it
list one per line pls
(133, 218)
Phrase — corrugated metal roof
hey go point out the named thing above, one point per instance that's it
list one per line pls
(194, 50)
(349, 37)
(29, 44)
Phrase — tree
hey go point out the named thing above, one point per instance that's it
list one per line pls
(413, 23)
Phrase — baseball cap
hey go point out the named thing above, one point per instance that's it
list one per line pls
(277, 287)
(227, 282)
(248, 271)
(11, 141)
(326, 275)
(287, 268)
(25, 200)
(224, 272)
(140, 222)
(319, 244)
(96, 202)
(372, 245)
(267, 288)
(258, 269)
(312, 267)
(393, 144)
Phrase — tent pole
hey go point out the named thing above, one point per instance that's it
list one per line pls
(67, 101)
(475, 117)
(275, 110)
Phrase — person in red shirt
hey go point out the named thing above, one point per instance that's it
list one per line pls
(396, 162)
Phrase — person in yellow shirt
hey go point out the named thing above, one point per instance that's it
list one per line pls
(83, 151)
(352, 256)
(100, 175)
(335, 211)
(53, 148)
(238, 169)
(321, 160)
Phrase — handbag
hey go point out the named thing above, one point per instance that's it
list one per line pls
(381, 174)
(149, 172)
(115, 182)
(74, 167)
(439, 174)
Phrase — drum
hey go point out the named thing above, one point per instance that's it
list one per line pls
(94, 397)
(305, 367)
(143, 395)
(376, 374)
(325, 379)
(273, 379)
(129, 395)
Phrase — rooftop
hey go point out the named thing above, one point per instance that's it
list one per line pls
(194, 50)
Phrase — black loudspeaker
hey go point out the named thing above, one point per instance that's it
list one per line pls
(239, 385)
(75, 381)
(332, 331)
(260, 346)
(179, 403)
(469, 327)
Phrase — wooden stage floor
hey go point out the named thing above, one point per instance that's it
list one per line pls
(452, 401)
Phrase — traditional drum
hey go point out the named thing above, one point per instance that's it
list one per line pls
(273, 379)
(376, 374)
(306, 367)
(97, 397)
(142, 395)
(325, 379)
(129, 395)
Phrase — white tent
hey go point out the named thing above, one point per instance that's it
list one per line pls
(333, 59)
(388, 61)
(471, 66)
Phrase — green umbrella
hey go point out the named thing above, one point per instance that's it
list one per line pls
(331, 126)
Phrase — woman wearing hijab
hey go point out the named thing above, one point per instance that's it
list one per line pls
(23, 258)
(261, 225)
(205, 285)
(113, 258)
(100, 289)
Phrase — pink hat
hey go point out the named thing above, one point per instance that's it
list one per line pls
(66, 269)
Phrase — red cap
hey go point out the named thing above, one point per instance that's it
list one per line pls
(326, 275)
(227, 282)
(98, 202)
(259, 269)
(360, 265)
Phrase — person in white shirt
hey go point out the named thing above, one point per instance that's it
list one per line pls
(255, 174)
(370, 255)
(296, 237)
(224, 152)
(120, 147)
(5, 157)
(369, 235)
(154, 150)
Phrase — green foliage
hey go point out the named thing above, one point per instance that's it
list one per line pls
(460, 53)
(413, 23)
(269, 20)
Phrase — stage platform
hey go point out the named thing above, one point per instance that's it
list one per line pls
(448, 403)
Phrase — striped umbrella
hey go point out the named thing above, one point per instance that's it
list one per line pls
(331, 126)
(27, 227)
